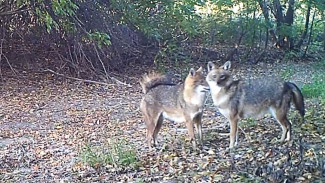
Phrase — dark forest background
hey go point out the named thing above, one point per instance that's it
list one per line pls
(92, 39)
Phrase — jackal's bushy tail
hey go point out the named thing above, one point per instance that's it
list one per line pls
(152, 80)
(298, 98)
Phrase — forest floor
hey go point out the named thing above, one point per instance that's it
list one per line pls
(58, 130)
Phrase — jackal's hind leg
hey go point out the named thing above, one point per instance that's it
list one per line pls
(151, 126)
(286, 129)
(150, 130)
(157, 128)
(281, 117)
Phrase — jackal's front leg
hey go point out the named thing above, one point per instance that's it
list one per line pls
(189, 126)
(233, 132)
(198, 127)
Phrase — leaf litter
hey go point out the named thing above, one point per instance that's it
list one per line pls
(46, 124)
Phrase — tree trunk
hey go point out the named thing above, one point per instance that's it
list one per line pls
(279, 20)
(254, 32)
(265, 12)
(304, 34)
(284, 41)
(278, 13)
(289, 21)
(266, 38)
(324, 37)
(310, 33)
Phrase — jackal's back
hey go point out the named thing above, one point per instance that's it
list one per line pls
(264, 91)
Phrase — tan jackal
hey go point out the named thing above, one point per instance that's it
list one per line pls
(179, 103)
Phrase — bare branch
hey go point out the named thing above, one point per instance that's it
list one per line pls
(86, 80)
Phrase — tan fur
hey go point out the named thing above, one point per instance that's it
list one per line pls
(237, 99)
(150, 79)
(180, 103)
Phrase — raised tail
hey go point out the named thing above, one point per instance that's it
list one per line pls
(298, 98)
(152, 80)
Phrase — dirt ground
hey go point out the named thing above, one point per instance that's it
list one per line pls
(47, 121)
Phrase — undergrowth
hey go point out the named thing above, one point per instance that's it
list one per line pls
(316, 89)
(118, 154)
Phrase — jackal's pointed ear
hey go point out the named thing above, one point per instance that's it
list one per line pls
(200, 70)
(211, 66)
(192, 72)
(226, 66)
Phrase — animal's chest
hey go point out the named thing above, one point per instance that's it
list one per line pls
(225, 112)
(220, 98)
(220, 101)
(198, 99)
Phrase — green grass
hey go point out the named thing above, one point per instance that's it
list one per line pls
(118, 154)
(316, 89)
(249, 122)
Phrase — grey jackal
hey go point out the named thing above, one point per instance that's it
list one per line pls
(237, 99)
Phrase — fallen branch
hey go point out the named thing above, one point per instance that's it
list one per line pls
(120, 82)
(86, 80)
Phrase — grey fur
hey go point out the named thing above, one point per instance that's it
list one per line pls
(237, 99)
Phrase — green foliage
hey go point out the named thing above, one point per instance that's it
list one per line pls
(118, 154)
(100, 38)
(174, 26)
(46, 19)
(316, 89)
(287, 30)
(56, 15)
(64, 7)
(163, 20)
(290, 55)
(249, 122)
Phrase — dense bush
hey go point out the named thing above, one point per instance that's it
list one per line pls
(97, 37)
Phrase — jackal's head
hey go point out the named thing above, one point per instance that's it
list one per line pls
(195, 81)
(219, 76)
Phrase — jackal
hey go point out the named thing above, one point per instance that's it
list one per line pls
(237, 99)
(179, 103)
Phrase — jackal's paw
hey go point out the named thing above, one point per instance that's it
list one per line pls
(230, 150)
(282, 139)
(288, 138)
(194, 145)
(232, 145)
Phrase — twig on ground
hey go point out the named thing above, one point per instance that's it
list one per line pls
(243, 131)
(86, 80)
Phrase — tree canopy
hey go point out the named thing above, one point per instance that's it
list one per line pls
(99, 36)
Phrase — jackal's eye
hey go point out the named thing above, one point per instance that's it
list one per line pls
(222, 77)
(214, 76)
